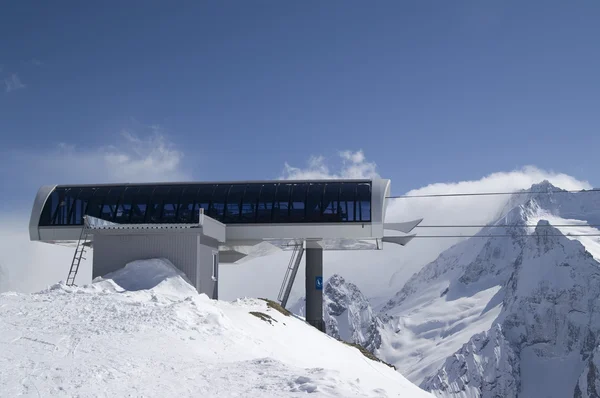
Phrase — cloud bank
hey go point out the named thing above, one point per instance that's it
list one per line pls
(145, 157)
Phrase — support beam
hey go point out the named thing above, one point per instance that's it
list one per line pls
(314, 286)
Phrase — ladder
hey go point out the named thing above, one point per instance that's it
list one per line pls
(290, 274)
(78, 255)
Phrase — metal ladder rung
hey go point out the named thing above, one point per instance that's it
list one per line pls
(80, 249)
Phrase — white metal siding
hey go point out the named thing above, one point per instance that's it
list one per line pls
(112, 252)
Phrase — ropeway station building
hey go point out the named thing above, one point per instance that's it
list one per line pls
(197, 225)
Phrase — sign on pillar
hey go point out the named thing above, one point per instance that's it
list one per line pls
(319, 283)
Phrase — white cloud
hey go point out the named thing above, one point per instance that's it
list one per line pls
(134, 158)
(13, 83)
(354, 165)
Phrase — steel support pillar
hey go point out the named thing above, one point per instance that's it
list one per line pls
(314, 285)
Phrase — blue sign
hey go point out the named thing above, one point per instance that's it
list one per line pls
(319, 282)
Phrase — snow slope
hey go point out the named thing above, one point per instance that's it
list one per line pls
(451, 305)
(545, 336)
(143, 331)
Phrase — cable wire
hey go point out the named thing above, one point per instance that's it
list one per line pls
(441, 195)
(510, 226)
(501, 236)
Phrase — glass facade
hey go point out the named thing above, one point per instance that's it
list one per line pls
(270, 202)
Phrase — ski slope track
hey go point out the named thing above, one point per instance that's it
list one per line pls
(144, 331)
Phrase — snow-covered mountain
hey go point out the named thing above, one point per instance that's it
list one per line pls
(347, 313)
(510, 315)
(144, 331)
(545, 334)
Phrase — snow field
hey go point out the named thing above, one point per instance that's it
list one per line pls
(143, 331)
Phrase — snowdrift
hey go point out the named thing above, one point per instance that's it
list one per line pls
(144, 331)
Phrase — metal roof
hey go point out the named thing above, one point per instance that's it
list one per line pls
(134, 184)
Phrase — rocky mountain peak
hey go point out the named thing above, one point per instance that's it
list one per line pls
(347, 313)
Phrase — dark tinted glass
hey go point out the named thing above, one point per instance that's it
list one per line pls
(70, 198)
(186, 204)
(59, 207)
(229, 203)
(124, 205)
(265, 203)
(94, 207)
(171, 205)
(234, 203)
(49, 207)
(298, 202)
(347, 198)
(331, 203)
(141, 201)
(313, 202)
(205, 193)
(78, 209)
(363, 202)
(250, 202)
(154, 212)
(281, 206)
(217, 203)
(109, 205)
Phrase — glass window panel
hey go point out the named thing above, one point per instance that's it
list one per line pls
(70, 197)
(265, 203)
(347, 198)
(313, 202)
(332, 210)
(281, 212)
(234, 203)
(95, 204)
(154, 211)
(49, 208)
(363, 200)
(59, 209)
(298, 202)
(125, 204)
(79, 206)
(205, 193)
(109, 206)
(141, 200)
(171, 205)
(217, 203)
(186, 204)
(250, 203)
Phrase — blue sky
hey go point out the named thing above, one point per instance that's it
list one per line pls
(430, 91)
